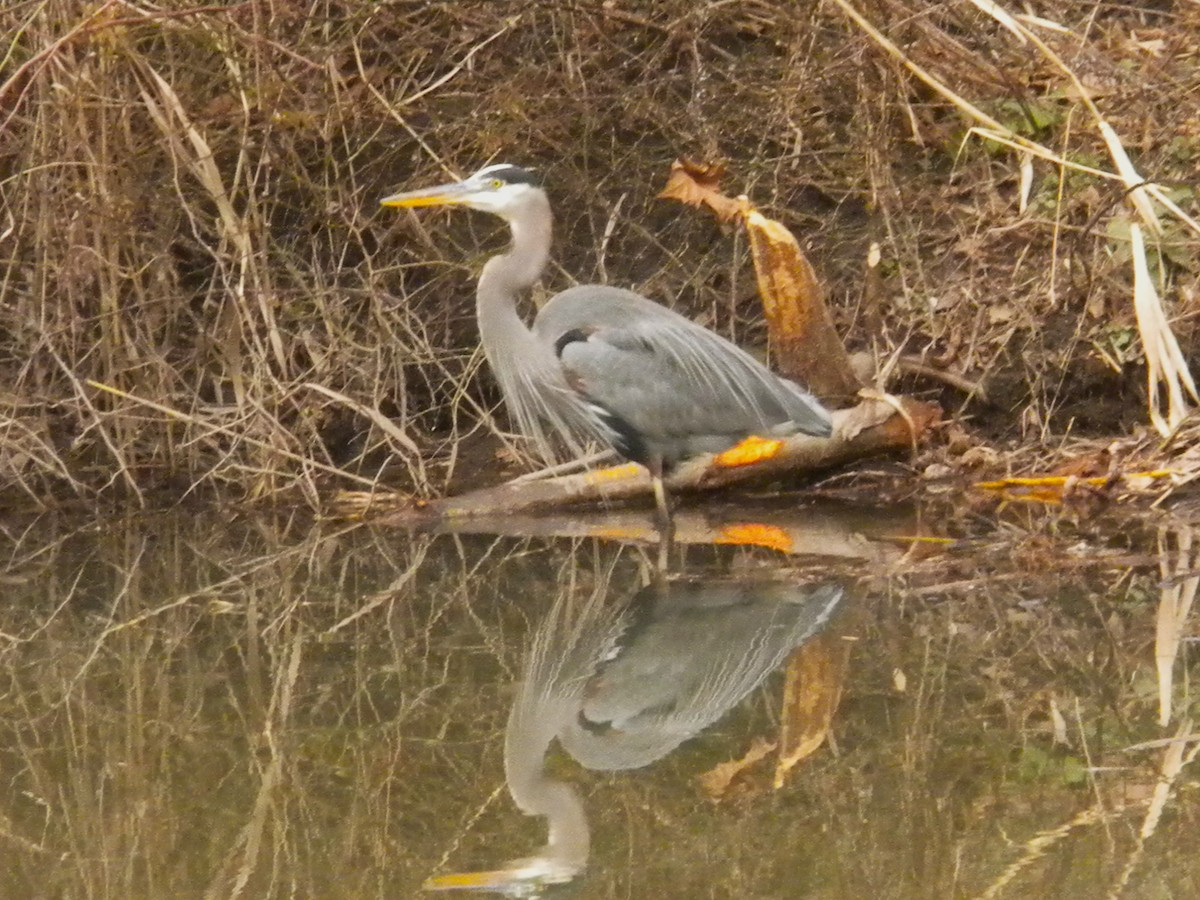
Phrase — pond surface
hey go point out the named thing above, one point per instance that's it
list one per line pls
(204, 705)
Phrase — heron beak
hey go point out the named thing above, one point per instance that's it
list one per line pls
(497, 879)
(452, 194)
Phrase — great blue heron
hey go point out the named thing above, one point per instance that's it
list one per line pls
(621, 685)
(693, 649)
(605, 363)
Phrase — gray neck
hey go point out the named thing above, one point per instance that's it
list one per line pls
(570, 840)
(505, 277)
(527, 738)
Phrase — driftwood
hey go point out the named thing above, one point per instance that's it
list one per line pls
(804, 344)
(875, 536)
(868, 429)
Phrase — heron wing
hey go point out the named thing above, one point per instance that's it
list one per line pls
(705, 648)
(678, 386)
(543, 406)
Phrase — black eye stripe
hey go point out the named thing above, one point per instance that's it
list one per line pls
(512, 175)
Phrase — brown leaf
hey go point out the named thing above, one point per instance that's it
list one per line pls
(696, 184)
(868, 414)
(716, 781)
(811, 692)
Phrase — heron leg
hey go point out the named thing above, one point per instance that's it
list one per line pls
(666, 522)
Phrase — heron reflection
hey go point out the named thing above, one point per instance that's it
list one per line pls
(622, 685)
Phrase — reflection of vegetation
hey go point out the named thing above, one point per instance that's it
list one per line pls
(194, 704)
(1036, 766)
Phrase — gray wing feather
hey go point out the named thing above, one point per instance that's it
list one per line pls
(675, 382)
(542, 404)
(546, 410)
(699, 658)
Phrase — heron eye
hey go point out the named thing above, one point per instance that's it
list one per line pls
(496, 184)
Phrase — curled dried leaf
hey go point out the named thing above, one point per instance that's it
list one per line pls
(717, 781)
(698, 184)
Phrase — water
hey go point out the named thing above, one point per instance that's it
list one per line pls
(200, 705)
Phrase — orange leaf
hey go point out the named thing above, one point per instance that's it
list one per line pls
(696, 185)
(1053, 489)
(754, 534)
(614, 473)
(751, 450)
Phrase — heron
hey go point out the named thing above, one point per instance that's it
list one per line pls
(693, 649)
(605, 364)
(622, 685)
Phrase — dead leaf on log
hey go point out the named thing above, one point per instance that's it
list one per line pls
(750, 451)
(717, 781)
(812, 691)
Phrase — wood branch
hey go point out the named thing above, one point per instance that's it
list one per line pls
(830, 531)
(868, 429)
(916, 365)
(804, 344)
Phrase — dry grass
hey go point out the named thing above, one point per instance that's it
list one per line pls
(197, 291)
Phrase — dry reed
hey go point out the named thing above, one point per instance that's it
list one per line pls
(198, 293)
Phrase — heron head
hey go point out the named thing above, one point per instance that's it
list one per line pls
(501, 189)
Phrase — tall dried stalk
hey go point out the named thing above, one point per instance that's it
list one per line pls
(1165, 362)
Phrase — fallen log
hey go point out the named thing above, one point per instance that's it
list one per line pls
(871, 428)
(879, 537)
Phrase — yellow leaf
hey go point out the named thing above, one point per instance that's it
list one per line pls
(751, 450)
(754, 534)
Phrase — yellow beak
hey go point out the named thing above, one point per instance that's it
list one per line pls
(451, 194)
(471, 881)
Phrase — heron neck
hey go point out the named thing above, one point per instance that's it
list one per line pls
(527, 739)
(570, 839)
(506, 276)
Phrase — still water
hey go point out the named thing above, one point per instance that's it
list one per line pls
(200, 705)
